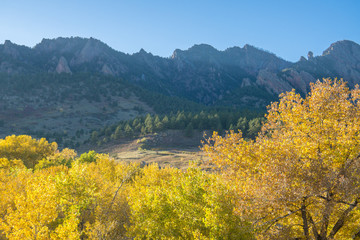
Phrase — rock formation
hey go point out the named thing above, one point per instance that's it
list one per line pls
(201, 73)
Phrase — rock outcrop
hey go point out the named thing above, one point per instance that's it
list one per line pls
(237, 75)
(62, 66)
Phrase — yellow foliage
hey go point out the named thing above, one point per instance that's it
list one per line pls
(27, 149)
(97, 192)
(300, 177)
(87, 200)
(64, 158)
(7, 164)
(172, 204)
(69, 228)
(32, 210)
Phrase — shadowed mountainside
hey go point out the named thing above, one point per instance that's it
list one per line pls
(244, 76)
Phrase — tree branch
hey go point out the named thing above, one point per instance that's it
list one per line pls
(275, 220)
(314, 228)
(356, 235)
(121, 184)
(335, 201)
(326, 215)
(338, 225)
(304, 217)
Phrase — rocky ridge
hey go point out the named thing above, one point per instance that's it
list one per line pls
(245, 76)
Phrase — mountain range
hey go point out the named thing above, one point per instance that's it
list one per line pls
(65, 88)
(245, 76)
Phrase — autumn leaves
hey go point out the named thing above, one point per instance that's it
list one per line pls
(59, 202)
(93, 197)
(298, 179)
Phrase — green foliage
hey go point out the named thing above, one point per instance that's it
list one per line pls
(158, 125)
(94, 136)
(254, 127)
(163, 104)
(149, 126)
(118, 132)
(242, 125)
(129, 132)
(171, 112)
(215, 120)
(88, 157)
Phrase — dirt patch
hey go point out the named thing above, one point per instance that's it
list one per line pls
(169, 149)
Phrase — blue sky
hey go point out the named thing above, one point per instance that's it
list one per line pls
(287, 28)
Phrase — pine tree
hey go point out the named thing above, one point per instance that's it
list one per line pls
(149, 126)
(158, 125)
(129, 132)
(165, 122)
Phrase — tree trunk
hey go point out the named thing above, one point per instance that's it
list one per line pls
(329, 204)
(305, 222)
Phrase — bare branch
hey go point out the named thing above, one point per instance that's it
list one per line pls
(121, 184)
(275, 220)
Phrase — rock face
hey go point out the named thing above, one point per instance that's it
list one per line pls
(62, 66)
(236, 76)
(343, 58)
(310, 55)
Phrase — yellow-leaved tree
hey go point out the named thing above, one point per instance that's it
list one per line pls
(173, 204)
(63, 197)
(300, 178)
(33, 207)
(26, 148)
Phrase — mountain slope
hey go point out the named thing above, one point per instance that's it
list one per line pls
(239, 76)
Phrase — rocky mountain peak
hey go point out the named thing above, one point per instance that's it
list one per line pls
(71, 45)
(310, 55)
(176, 53)
(59, 44)
(343, 57)
(249, 47)
(197, 53)
(142, 53)
(8, 43)
(202, 48)
(201, 73)
(14, 50)
(343, 47)
(81, 50)
(91, 49)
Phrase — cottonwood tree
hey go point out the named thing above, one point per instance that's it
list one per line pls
(26, 148)
(173, 204)
(300, 178)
